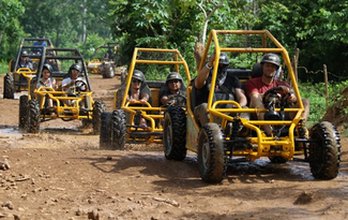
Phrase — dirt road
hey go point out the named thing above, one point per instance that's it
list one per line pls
(61, 174)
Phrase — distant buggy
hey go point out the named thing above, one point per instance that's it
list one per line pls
(122, 125)
(23, 68)
(45, 103)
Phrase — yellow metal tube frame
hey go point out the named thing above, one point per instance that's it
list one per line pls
(263, 142)
(61, 99)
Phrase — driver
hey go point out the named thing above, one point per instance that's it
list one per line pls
(139, 93)
(174, 87)
(227, 87)
(256, 87)
(74, 83)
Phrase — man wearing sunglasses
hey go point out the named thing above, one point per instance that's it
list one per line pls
(139, 91)
(227, 87)
(173, 92)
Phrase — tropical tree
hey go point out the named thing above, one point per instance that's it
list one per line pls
(10, 28)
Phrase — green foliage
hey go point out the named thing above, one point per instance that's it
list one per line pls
(10, 27)
(316, 95)
(317, 28)
(3, 67)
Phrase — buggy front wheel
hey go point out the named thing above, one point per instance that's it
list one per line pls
(33, 116)
(324, 151)
(118, 129)
(23, 111)
(98, 109)
(211, 159)
(174, 133)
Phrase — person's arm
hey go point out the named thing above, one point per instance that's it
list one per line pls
(145, 98)
(145, 94)
(242, 99)
(164, 100)
(66, 83)
(204, 73)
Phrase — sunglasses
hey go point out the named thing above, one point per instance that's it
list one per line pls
(136, 81)
(173, 81)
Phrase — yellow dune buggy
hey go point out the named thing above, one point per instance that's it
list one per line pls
(24, 67)
(123, 124)
(46, 103)
(103, 61)
(230, 137)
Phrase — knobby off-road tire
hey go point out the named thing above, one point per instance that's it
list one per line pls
(119, 97)
(108, 71)
(118, 129)
(211, 160)
(23, 111)
(174, 133)
(98, 109)
(9, 89)
(324, 151)
(105, 130)
(33, 125)
(123, 76)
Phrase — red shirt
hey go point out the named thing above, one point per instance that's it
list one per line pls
(256, 85)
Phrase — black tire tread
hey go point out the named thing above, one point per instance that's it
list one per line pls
(178, 119)
(118, 129)
(98, 109)
(216, 168)
(9, 89)
(324, 151)
(23, 111)
(105, 130)
(33, 117)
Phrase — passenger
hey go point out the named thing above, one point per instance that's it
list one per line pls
(74, 83)
(139, 92)
(25, 61)
(174, 90)
(47, 80)
(256, 87)
(227, 87)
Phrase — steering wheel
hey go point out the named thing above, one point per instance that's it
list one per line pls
(176, 100)
(276, 97)
(80, 85)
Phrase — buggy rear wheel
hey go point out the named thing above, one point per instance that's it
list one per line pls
(98, 109)
(324, 151)
(105, 130)
(174, 133)
(9, 89)
(23, 111)
(118, 129)
(211, 159)
(108, 71)
(33, 116)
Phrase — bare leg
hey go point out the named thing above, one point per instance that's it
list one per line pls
(256, 102)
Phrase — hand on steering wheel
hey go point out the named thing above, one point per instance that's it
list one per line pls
(279, 95)
(80, 85)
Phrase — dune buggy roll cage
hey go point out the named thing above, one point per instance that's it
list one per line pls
(154, 111)
(264, 143)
